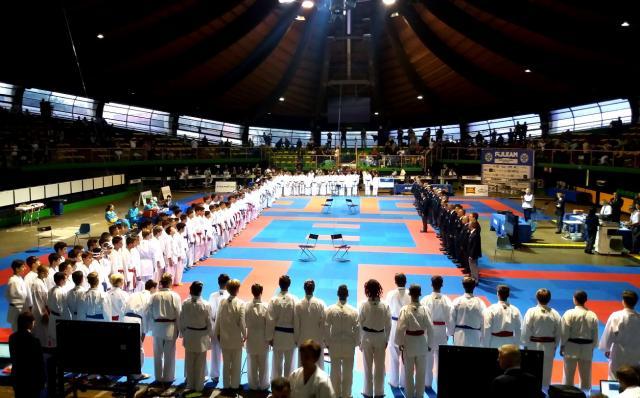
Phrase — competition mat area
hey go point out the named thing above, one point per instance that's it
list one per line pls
(385, 239)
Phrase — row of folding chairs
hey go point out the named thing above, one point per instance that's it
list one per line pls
(351, 205)
(337, 241)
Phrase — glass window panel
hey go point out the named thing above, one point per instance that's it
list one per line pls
(561, 120)
(31, 100)
(533, 124)
(586, 117)
(7, 92)
(611, 110)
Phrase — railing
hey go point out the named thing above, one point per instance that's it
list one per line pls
(577, 157)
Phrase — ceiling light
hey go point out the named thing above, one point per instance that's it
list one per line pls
(308, 4)
(100, 36)
(527, 70)
(286, 1)
(625, 24)
(281, 99)
(419, 97)
(376, 113)
(301, 18)
(394, 14)
(388, 2)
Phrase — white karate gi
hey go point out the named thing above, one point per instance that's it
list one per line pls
(135, 312)
(579, 339)
(216, 351)
(309, 323)
(621, 337)
(38, 293)
(145, 249)
(396, 299)
(342, 335)
(163, 316)
(157, 250)
(414, 319)
(73, 301)
(94, 306)
(231, 328)
(16, 294)
(467, 319)
(281, 332)
(318, 385)
(117, 299)
(500, 320)
(30, 277)
(196, 330)
(57, 311)
(375, 183)
(542, 322)
(374, 318)
(439, 308)
(366, 180)
(133, 268)
(257, 345)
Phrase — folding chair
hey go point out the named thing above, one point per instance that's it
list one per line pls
(326, 206)
(353, 207)
(83, 232)
(338, 243)
(306, 248)
(44, 233)
(503, 243)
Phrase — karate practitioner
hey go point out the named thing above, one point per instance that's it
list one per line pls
(16, 294)
(375, 320)
(309, 381)
(396, 299)
(375, 183)
(132, 263)
(159, 256)
(57, 306)
(163, 316)
(342, 335)
(579, 339)
(620, 340)
(414, 336)
(32, 265)
(136, 310)
(502, 321)
(366, 180)
(281, 329)
(231, 331)
(467, 316)
(257, 346)
(309, 318)
(37, 300)
(214, 302)
(439, 308)
(94, 305)
(542, 331)
(196, 330)
(117, 298)
(147, 256)
(75, 295)
(180, 248)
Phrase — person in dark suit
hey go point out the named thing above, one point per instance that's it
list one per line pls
(591, 223)
(514, 382)
(27, 370)
(616, 207)
(559, 212)
(474, 248)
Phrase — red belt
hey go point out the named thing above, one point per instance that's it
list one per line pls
(503, 333)
(535, 339)
(135, 277)
(115, 318)
(439, 323)
(415, 332)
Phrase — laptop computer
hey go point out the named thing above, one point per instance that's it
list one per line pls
(610, 388)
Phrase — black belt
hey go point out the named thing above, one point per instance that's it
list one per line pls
(366, 329)
(466, 327)
(394, 318)
(164, 320)
(13, 305)
(132, 315)
(580, 341)
(199, 329)
(95, 316)
(283, 329)
(55, 313)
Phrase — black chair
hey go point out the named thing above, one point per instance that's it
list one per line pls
(326, 206)
(83, 232)
(44, 233)
(353, 207)
(305, 248)
(338, 243)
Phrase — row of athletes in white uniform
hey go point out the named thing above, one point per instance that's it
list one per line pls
(334, 183)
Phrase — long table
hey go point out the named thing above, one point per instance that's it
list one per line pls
(498, 225)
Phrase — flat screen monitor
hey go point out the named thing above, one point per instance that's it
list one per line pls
(480, 370)
(109, 348)
(610, 388)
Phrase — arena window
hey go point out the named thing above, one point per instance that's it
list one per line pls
(503, 125)
(451, 132)
(134, 118)
(214, 131)
(65, 106)
(256, 134)
(590, 116)
(7, 92)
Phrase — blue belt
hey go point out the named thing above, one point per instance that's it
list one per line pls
(466, 327)
(95, 316)
(55, 313)
(394, 318)
(133, 315)
(284, 330)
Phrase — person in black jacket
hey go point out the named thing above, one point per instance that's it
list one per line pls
(27, 370)
(616, 207)
(559, 212)
(591, 224)
(514, 382)
(474, 249)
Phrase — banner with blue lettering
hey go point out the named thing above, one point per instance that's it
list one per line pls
(507, 169)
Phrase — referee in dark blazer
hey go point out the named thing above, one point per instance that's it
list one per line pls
(27, 362)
